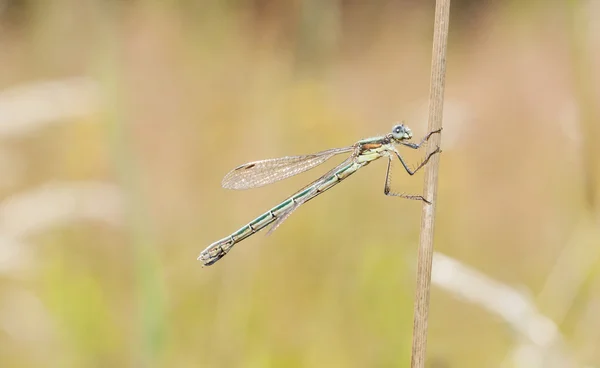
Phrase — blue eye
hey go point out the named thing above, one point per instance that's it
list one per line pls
(401, 132)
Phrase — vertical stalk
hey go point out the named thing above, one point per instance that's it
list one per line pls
(436, 104)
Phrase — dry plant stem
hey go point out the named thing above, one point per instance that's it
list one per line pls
(436, 104)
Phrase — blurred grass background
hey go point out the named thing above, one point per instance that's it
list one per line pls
(107, 199)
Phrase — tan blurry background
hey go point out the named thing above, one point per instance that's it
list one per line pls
(118, 120)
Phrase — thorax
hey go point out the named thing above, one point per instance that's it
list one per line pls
(371, 149)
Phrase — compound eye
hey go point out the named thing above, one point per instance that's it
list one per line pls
(398, 131)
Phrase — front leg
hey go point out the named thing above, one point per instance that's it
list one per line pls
(425, 139)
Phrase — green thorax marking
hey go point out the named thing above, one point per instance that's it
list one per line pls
(371, 140)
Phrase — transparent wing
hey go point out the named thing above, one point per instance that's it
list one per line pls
(258, 173)
(312, 194)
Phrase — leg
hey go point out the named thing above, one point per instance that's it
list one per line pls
(412, 172)
(386, 187)
(425, 139)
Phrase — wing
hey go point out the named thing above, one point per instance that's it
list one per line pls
(283, 216)
(258, 173)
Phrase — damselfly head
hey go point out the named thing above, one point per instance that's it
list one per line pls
(401, 132)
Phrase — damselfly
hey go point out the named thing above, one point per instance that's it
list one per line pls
(258, 173)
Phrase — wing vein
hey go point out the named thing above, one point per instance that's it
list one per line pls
(259, 173)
